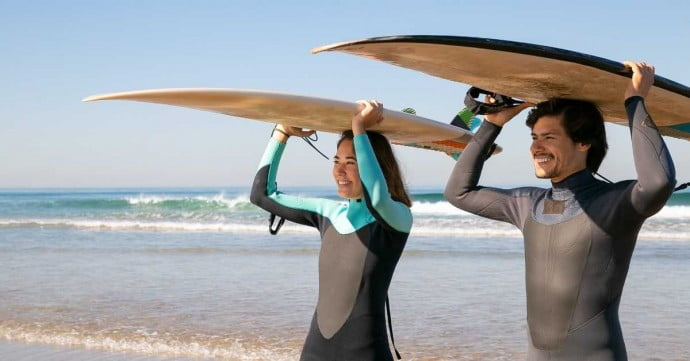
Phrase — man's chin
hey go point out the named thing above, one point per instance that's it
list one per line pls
(542, 175)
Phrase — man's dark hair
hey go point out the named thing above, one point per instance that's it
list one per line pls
(582, 121)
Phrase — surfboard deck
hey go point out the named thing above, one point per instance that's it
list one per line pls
(326, 115)
(530, 72)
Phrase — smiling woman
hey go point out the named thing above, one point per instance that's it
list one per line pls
(361, 240)
(385, 158)
(345, 171)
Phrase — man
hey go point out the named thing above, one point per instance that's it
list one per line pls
(579, 234)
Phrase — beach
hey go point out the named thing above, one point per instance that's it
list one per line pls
(156, 274)
(31, 352)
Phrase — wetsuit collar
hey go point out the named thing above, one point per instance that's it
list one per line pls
(356, 208)
(355, 205)
(572, 183)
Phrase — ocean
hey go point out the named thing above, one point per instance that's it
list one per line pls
(194, 274)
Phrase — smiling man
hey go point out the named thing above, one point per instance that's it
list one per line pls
(579, 234)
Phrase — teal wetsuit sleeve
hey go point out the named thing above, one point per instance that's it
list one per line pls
(265, 193)
(656, 175)
(393, 213)
(463, 191)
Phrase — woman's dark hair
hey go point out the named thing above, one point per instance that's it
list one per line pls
(387, 162)
(582, 122)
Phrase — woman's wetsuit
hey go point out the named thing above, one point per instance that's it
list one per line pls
(579, 238)
(361, 242)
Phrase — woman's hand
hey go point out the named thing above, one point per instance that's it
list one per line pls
(369, 113)
(282, 132)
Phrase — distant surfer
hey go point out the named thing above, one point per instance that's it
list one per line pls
(579, 234)
(361, 240)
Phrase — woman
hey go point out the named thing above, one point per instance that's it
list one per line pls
(361, 240)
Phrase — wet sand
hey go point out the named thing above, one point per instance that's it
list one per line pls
(13, 351)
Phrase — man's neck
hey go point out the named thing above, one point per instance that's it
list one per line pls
(560, 179)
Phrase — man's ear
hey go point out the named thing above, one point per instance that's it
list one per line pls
(582, 147)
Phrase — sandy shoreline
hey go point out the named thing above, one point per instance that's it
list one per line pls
(16, 351)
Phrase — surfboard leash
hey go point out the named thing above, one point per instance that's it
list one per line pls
(679, 188)
(602, 177)
(309, 141)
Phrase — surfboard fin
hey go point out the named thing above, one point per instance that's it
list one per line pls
(467, 120)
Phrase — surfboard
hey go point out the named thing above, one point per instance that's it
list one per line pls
(530, 72)
(326, 115)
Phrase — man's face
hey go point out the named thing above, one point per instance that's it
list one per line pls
(555, 156)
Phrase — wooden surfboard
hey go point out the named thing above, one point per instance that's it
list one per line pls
(529, 72)
(319, 114)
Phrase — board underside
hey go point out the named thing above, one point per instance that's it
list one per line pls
(528, 72)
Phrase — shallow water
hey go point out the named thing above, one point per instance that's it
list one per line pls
(193, 273)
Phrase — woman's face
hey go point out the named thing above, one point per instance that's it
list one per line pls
(345, 171)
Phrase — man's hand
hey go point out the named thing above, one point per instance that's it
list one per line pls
(505, 115)
(642, 79)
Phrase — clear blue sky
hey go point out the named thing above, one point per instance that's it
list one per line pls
(54, 53)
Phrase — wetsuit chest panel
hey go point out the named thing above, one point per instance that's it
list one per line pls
(555, 257)
(549, 211)
(348, 218)
(341, 267)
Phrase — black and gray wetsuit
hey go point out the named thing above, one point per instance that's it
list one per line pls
(361, 242)
(579, 237)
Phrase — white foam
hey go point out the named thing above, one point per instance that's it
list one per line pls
(230, 203)
(673, 212)
(149, 344)
(146, 200)
(150, 226)
(664, 236)
(432, 219)
(437, 209)
(217, 199)
(447, 209)
(470, 228)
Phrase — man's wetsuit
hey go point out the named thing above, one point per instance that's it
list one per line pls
(361, 242)
(579, 238)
